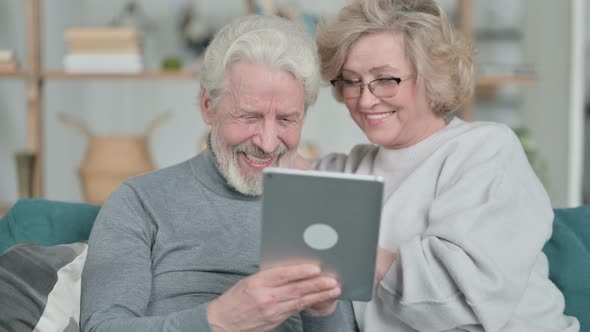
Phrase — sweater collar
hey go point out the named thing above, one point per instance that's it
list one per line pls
(395, 159)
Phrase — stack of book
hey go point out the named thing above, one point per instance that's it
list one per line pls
(103, 50)
(7, 62)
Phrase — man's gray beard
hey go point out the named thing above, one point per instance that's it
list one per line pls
(227, 158)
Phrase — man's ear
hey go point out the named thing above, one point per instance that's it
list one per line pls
(206, 107)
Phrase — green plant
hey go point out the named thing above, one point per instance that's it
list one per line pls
(172, 63)
(532, 152)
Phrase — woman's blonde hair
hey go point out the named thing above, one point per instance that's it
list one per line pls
(442, 60)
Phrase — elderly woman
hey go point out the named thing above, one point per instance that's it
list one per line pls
(464, 216)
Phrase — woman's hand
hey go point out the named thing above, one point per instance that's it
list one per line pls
(385, 259)
(300, 163)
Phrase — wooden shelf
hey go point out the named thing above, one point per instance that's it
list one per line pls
(14, 74)
(150, 75)
(487, 85)
(497, 80)
(4, 207)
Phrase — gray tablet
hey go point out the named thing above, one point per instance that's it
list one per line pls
(325, 217)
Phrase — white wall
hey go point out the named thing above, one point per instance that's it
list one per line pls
(552, 108)
(120, 106)
(12, 99)
(586, 175)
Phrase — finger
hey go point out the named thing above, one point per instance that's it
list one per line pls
(323, 308)
(301, 288)
(293, 306)
(326, 305)
(323, 296)
(282, 275)
(313, 299)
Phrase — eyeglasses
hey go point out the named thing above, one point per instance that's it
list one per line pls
(384, 87)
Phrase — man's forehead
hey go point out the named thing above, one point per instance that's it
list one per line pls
(261, 105)
(255, 87)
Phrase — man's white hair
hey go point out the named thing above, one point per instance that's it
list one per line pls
(269, 40)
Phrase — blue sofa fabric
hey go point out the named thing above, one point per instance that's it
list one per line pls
(568, 252)
(46, 222)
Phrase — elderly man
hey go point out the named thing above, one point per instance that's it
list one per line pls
(177, 249)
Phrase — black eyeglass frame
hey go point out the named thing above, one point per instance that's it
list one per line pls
(362, 85)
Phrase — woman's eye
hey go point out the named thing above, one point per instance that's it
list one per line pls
(351, 82)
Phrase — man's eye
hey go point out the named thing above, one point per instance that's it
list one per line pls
(286, 120)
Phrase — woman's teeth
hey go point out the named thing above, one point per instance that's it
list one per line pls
(377, 116)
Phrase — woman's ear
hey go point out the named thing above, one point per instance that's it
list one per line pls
(206, 107)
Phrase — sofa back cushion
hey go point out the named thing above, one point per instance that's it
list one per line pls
(568, 252)
(46, 222)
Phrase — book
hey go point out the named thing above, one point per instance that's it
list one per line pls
(6, 55)
(104, 47)
(101, 33)
(103, 63)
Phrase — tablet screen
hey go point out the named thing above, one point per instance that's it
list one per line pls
(325, 217)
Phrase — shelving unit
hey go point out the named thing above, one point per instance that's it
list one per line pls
(35, 92)
(486, 83)
(150, 75)
(35, 77)
(15, 74)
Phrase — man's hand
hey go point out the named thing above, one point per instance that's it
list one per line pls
(385, 259)
(323, 308)
(266, 299)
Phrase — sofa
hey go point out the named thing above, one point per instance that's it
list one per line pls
(42, 252)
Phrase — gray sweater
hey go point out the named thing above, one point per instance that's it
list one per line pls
(468, 219)
(167, 243)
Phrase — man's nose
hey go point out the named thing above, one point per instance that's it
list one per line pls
(267, 137)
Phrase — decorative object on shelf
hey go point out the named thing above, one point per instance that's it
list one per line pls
(110, 160)
(134, 17)
(195, 34)
(25, 167)
(285, 8)
(532, 152)
(8, 62)
(172, 63)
